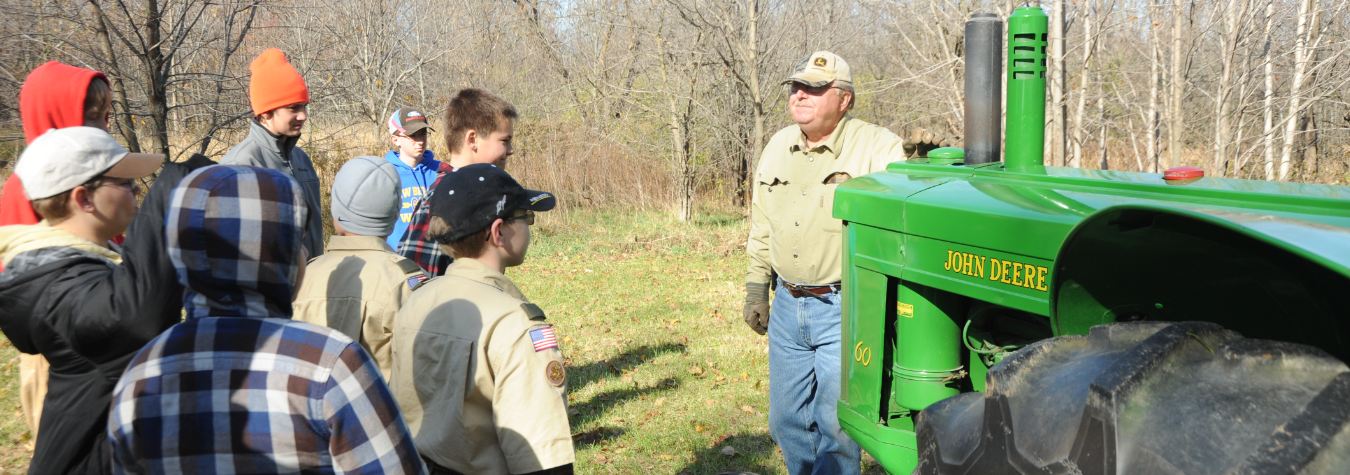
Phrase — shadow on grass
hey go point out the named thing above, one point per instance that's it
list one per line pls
(581, 376)
(749, 453)
(597, 405)
(598, 435)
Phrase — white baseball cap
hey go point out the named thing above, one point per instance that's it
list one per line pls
(62, 159)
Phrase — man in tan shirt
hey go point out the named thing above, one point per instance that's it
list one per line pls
(359, 284)
(794, 236)
(478, 371)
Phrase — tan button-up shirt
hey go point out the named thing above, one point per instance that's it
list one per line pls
(479, 375)
(792, 230)
(356, 288)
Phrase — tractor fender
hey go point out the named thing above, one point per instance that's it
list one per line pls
(1279, 276)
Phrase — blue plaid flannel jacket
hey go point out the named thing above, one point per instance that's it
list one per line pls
(238, 387)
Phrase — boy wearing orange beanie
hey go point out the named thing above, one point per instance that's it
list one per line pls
(280, 101)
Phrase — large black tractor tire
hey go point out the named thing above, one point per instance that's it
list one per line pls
(1147, 397)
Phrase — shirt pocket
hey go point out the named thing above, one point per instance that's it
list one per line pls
(766, 183)
(830, 183)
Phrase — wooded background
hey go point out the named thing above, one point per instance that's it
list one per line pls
(666, 103)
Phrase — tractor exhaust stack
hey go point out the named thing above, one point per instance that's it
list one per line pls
(983, 88)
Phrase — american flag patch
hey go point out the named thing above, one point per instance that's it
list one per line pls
(543, 338)
(417, 280)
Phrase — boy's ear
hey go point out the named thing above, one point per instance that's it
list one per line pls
(471, 139)
(82, 198)
(495, 235)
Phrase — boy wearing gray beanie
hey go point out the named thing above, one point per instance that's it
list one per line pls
(359, 283)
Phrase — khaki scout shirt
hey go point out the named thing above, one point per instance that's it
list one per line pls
(792, 230)
(356, 288)
(479, 375)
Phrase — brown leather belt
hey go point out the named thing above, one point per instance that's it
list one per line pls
(800, 291)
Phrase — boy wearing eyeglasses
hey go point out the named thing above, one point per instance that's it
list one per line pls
(68, 294)
(416, 166)
(478, 370)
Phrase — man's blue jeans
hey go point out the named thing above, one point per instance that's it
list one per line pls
(804, 384)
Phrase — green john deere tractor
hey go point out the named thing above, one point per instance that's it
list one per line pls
(1002, 316)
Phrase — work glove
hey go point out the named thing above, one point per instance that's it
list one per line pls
(757, 306)
(920, 141)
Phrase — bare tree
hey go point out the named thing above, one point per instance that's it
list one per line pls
(1302, 44)
(1058, 76)
(649, 102)
(1232, 35)
(1151, 123)
(1176, 81)
(1268, 96)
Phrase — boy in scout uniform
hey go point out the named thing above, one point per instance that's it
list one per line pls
(359, 284)
(477, 369)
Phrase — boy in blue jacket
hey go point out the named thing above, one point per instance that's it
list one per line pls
(416, 165)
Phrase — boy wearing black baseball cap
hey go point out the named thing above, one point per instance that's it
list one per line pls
(477, 369)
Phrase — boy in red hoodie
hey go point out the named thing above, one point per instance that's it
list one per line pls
(54, 96)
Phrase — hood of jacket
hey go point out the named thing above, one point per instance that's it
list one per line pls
(22, 239)
(234, 235)
(428, 163)
(52, 97)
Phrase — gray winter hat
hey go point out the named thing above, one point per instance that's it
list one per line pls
(365, 196)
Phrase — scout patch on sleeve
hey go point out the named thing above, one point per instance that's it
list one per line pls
(417, 280)
(555, 373)
(543, 338)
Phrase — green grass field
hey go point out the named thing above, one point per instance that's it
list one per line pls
(663, 375)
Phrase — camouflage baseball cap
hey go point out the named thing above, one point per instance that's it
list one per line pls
(821, 69)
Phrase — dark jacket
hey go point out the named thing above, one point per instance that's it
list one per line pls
(88, 317)
(262, 149)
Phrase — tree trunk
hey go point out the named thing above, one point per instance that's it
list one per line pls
(1268, 98)
(1154, 82)
(749, 162)
(1102, 156)
(1080, 122)
(1311, 144)
(1223, 130)
(157, 68)
(1175, 84)
(1058, 81)
(1306, 9)
(122, 108)
(1311, 137)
